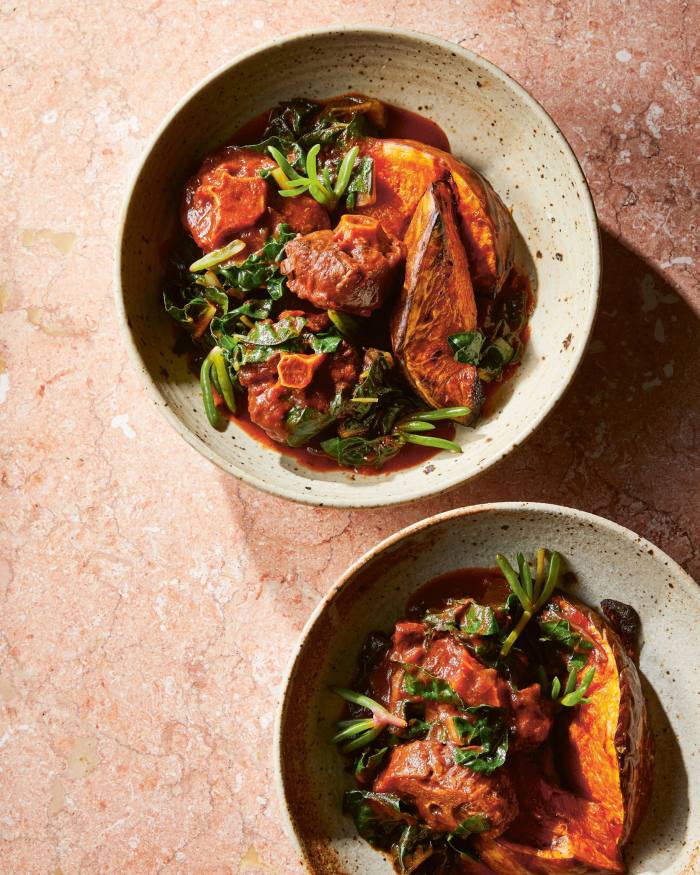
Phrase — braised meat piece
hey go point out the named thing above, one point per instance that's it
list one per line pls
(425, 774)
(531, 717)
(269, 401)
(352, 268)
(227, 198)
(474, 682)
(273, 394)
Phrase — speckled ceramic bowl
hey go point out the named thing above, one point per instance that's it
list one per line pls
(608, 560)
(491, 123)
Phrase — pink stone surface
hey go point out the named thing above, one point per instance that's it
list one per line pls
(142, 650)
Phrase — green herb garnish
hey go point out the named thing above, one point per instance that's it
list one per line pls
(363, 731)
(321, 188)
(532, 594)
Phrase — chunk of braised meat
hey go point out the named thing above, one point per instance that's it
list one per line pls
(270, 401)
(352, 268)
(303, 214)
(531, 718)
(227, 197)
(424, 774)
(474, 682)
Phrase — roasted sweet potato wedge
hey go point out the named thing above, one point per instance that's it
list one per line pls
(403, 169)
(604, 759)
(437, 300)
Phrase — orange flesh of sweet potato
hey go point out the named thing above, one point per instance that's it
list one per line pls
(403, 170)
(437, 300)
(296, 370)
(606, 763)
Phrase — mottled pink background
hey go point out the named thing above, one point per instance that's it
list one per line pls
(142, 649)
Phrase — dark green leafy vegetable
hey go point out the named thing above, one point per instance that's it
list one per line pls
(191, 312)
(274, 333)
(481, 620)
(304, 423)
(416, 729)
(327, 341)
(357, 452)
(369, 762)
(429, 687)
(487, 736)
(472, 348)
(467, 346)
(409, 850)
(261, 268)
(560, 631)
(495, 357)
(376, 815)
(361, 182)
(472, 825)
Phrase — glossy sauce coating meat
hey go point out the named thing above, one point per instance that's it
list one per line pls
(270, 400)
(425, 774)
(352, 268)
(228, 198)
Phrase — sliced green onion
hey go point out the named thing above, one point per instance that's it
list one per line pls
(354, 728)
(327, 179)
(363, 400)
(345, 171)
(362, 740)
(570, 682)
(318, 193)
(513, 581)
(293, 192)
(217, 256)
(578, 695)
(285, 166)
(382, 717)
(443, 413)
(311, 163)
(345, 324)
(416, 425)
(207, 395)
(438, 443)
(552, 579)
(223, 379)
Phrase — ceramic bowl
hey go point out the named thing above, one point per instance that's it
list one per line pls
(492, 123)
(607, 560)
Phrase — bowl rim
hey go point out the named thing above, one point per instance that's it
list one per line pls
(375, 498)
(687, 583)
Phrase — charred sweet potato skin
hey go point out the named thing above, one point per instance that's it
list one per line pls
(631, 751)
(437, 300)
(403, 171)
(608, 774)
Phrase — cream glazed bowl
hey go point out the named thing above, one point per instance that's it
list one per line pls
(606, 561)
(492, 124)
